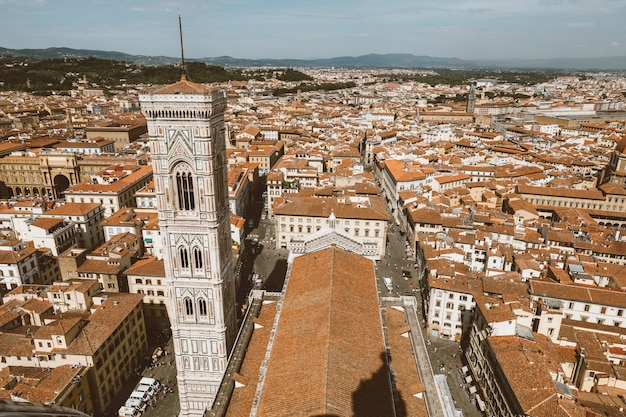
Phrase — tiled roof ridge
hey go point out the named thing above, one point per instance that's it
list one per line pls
(541, 402)
(329, 322)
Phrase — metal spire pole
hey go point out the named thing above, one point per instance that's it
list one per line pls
(182, 51)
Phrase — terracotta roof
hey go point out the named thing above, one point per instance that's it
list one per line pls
(241, 400)
(184, 86)
(151, 266)
(41, 385)
(328, 357)
(621, 145)
(404, 170)
(104, 321)
(592, 194)
(98, 267)
(407, 378)
(73, 209)
(533, 386)
(610, 188)
(586, 294)
(323, 207)
(47, 223)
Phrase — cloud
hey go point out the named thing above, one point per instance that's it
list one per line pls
(359, 35)
(22, 2)
(615, 44)
(556, 2)
(581, 25)
(476, 10)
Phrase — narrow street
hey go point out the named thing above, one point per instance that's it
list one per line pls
(393, 264)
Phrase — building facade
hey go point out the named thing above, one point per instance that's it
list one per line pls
(186, 131)
(46, 174)
(362, 217)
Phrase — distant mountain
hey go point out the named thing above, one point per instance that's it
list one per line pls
(364, 61)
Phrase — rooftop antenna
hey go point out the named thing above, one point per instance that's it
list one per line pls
(183, 76)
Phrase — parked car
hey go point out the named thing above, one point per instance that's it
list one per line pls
(128, 412)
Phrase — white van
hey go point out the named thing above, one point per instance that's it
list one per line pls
(136, 404)
(388, 283)
(147, 390)
(128, 412)
(139, 395)
(151, 382)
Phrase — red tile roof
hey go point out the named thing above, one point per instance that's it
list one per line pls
(328, 355)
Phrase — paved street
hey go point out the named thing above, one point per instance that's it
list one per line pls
(268, 262)
(393, 263)
(165, 403)
(445, 359)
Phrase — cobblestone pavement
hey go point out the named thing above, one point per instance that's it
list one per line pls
(165, 403)
(445, 358)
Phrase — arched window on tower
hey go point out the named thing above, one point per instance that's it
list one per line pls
(186, 198)
(188, 307)
(202, 308)
(183, 254)
(197, 258)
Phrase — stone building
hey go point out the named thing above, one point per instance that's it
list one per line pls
(187, 142)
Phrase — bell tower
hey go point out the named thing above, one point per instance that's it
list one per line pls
(187, 144)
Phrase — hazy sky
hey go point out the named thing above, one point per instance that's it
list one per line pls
(321, 28)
